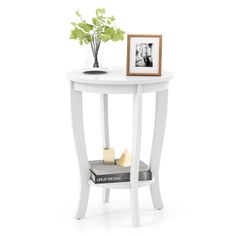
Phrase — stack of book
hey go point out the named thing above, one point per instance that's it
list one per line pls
(101, 173)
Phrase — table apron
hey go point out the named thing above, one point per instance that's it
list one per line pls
(119, 89)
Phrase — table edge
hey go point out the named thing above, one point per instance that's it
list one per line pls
(131, 80)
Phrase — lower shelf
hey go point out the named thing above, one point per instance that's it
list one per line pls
(122, 185)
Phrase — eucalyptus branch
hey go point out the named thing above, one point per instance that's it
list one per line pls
(102, 28)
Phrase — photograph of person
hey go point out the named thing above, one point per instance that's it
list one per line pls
(143, 56)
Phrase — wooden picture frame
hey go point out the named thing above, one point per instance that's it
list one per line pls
(144, 54)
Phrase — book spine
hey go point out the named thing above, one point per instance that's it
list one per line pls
(115, 178)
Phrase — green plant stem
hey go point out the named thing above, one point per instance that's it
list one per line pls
(95, 45)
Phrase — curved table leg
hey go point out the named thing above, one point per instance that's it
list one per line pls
(137, 126)
(78, 129)
(105, 136)
(158, 136)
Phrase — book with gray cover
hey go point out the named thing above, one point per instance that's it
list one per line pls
(98, 168)
(101, 173)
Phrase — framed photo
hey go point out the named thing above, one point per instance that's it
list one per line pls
(144, 54)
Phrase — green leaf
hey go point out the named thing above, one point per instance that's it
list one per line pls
(100, 11)
(122, 37)
(115, 37)
(74, 24)
(88, 38)
(95, 21)
(118, 35)
(119, 31)
(100, 19)
(85, 26)
(81, 33)
(78, 13)
(74, 34)
(110, 30)
(105, 37)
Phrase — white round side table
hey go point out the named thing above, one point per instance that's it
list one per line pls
(116, 82)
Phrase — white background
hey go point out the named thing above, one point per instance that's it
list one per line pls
(38, 166)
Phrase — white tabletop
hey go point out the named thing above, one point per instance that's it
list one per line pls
(116, 76)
